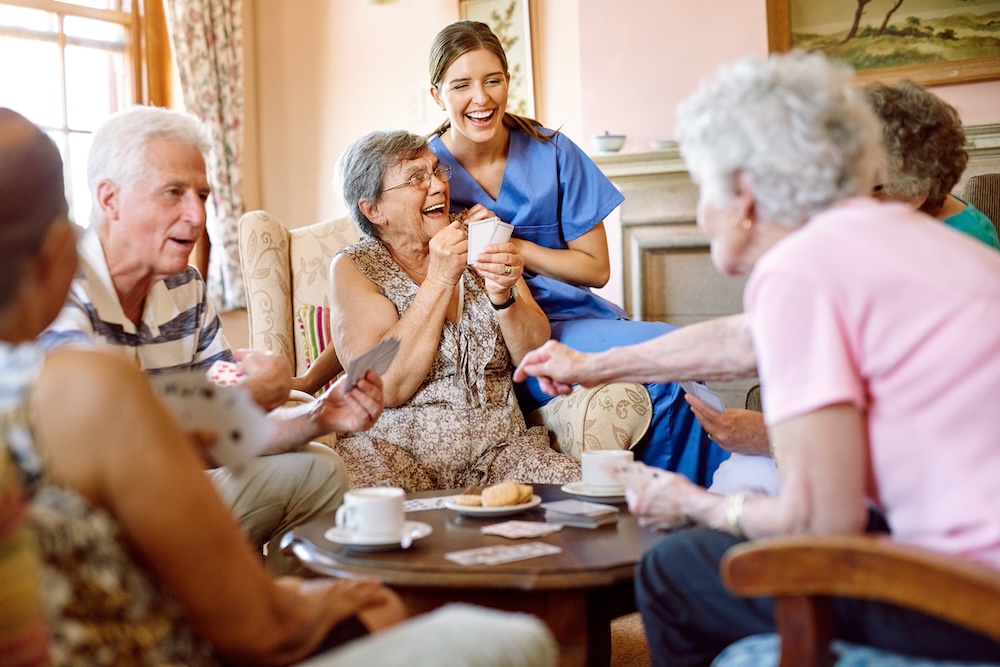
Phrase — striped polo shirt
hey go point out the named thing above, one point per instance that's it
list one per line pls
(179, 330)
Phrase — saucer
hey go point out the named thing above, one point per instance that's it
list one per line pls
(415, 529)
(477, 510)
(581, 490)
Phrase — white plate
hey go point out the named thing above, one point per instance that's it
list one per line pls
(415, 530)
(474, 510)
(581, 490)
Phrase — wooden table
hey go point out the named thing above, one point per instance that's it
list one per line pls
(577, 592)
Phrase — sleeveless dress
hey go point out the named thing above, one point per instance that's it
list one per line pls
(463, 425)
(102, 606)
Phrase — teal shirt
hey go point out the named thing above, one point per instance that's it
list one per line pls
(974, 222)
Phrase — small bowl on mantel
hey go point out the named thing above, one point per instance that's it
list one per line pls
(608, 143)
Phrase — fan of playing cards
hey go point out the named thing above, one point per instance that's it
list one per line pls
(378, 359)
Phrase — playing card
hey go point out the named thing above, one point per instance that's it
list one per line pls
(480, 235)
(705, 394)
(225, 374)
(241, 426)
(497, 555)
(518, 529)
(378, 359)
(502, 232)
(421, 504)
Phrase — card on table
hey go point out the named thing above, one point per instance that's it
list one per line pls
(518, 529)
(421, 504)
(378, 359)
(713, 400)
(497, 555)
(241, 426)
(486, 232)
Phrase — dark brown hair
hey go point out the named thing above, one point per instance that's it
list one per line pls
(32, 196)
(924, 142)
(454, 42)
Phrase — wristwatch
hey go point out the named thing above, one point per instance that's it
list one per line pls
(509, 302)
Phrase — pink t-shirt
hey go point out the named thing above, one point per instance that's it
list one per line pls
(892, 311)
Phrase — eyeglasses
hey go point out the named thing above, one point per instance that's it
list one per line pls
(422, 179)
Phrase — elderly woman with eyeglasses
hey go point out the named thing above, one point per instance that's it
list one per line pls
(451, 418)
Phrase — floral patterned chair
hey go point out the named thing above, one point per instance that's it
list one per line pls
(286, 274)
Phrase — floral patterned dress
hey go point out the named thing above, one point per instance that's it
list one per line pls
(102, 606)
(463, 425)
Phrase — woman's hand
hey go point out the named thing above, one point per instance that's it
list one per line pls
(448, 250)
(736, 430)
(357, 409)
(501, 265)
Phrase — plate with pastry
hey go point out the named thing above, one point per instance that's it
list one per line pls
(497, 500)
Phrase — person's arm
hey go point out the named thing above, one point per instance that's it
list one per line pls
(117, 446)
(373, 317)
(326, 367)
(822, 459)
(719, 349)
(586, 262)
(338, 409)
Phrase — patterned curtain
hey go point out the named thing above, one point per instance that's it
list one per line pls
(208, 41)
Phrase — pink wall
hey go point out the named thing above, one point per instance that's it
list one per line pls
(636, 65)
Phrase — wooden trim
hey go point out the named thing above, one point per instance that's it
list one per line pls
(157, 56)
(779, 39)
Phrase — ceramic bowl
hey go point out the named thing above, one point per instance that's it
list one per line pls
(608, 143)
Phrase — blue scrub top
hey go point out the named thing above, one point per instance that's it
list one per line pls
(552, 193)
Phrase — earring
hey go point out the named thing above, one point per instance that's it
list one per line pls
(382, 221)
(747, 223)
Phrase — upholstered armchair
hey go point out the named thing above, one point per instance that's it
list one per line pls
(287, 277)
(983, 192)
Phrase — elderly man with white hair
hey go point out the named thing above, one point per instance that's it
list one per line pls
(136, 293)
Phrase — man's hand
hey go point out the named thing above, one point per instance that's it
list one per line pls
(557, 368)
(349, 411)
(736, 430)
(268, 377)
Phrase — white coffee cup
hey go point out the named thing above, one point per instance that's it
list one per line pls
(595, 477)
(374, 513)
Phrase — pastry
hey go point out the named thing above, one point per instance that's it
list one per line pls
(506, 493)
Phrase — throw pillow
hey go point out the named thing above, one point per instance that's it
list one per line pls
(314, 326)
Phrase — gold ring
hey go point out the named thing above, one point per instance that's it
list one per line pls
(506, 269)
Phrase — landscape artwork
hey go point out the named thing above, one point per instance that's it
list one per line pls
(933, 41)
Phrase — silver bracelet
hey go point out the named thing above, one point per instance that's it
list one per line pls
(734, 510)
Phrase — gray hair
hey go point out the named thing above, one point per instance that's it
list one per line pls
(118, 153)
(792, 125)
(363, 166)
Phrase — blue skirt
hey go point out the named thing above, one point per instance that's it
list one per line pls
(675, 439)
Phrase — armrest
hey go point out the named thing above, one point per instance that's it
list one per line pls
(802, 573)
(612, 416)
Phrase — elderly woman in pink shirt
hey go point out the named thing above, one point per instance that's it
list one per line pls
(876, 340)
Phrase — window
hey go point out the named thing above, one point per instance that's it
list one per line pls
(74, 63)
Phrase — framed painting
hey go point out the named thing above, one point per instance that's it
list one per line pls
(933, 42)
(510, 21)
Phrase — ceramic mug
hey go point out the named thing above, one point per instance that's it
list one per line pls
(374, 513)
(595, 477)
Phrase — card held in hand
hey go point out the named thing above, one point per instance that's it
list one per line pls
(713, 400)
(378, 359)
(241, 426)
(480, 235)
